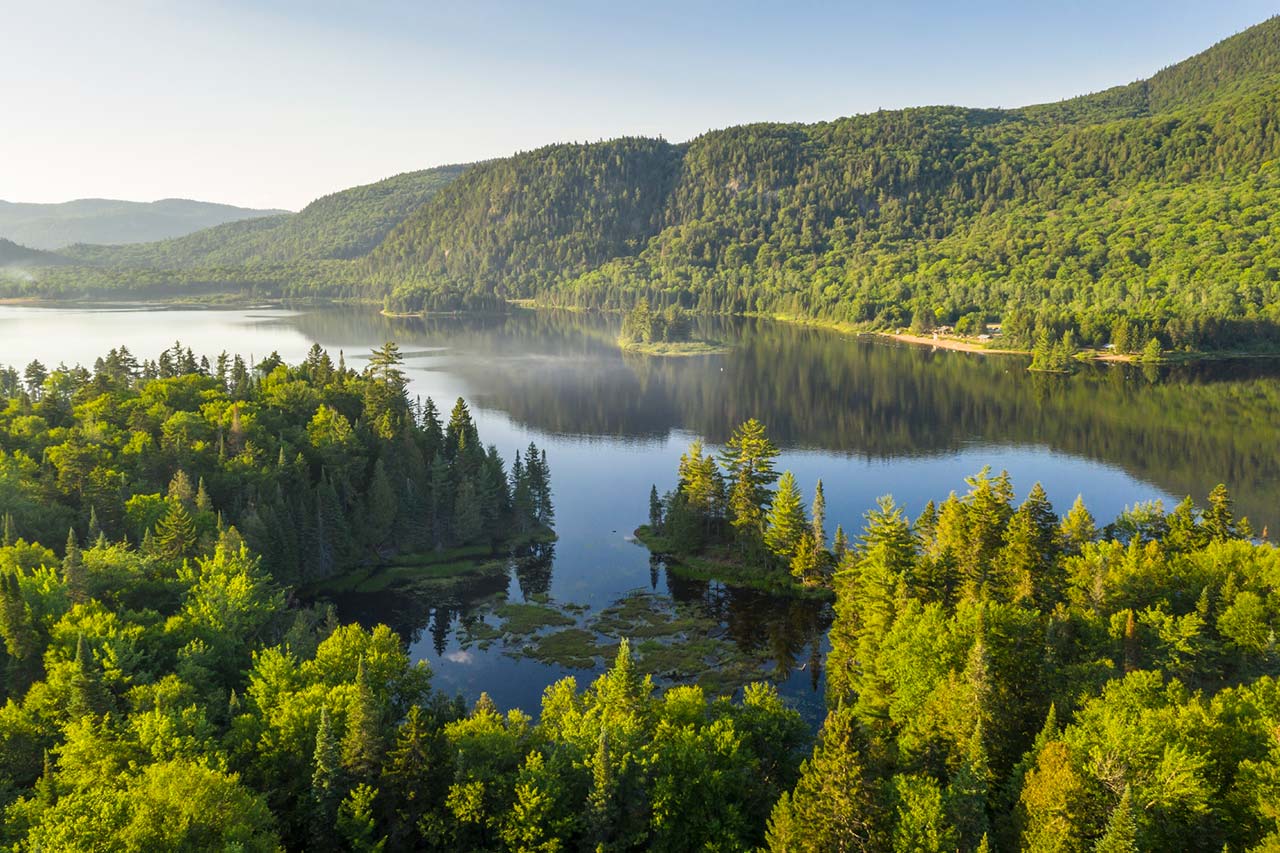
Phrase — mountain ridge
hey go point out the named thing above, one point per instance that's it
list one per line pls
(48, 226)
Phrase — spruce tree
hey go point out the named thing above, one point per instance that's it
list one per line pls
(786, 521)
(73, 571)
(1078, 527)
(362, 745)
(834, 805)
(88, 694)
(1121, 834)
(380, 508)
(326, 780)
(441, 502)
(176, 534)
(748, 458)
(1219, 519)
(818, 515)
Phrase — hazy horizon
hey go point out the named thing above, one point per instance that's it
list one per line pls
(272, 105)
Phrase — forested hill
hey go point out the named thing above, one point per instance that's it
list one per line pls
(100, 220)
(1147, 210)
(345, 224)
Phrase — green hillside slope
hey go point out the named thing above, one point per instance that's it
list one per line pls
(345, 224)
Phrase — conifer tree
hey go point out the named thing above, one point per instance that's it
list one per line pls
(839, 545)
(806, 562)
(1078, 527)
(94, 532)
(73, 571)
(176, 535)
(415, 774)
(818, 516)
(326, 779)
(380, 507)
(356, 823)
(786, 521)
(1121, 834)
(748, 458)
(467, 521)
(834, 806)
(362, 745)
(441, 503)
(655, 510)
(89, 695)
(1219, 519)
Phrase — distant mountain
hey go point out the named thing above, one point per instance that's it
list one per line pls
(345, 224)
(1147, 210)
(97, 220)
(13, 256)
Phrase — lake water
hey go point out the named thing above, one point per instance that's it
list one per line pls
(868, 417)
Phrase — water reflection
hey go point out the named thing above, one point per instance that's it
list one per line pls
(1184, 428)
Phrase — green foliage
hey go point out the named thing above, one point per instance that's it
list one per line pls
(315, 467)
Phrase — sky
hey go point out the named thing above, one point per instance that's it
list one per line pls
(271, 103)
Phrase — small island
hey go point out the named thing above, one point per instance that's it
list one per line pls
(663, 333)
(725, 521)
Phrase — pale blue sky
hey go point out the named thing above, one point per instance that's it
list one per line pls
(270, 104)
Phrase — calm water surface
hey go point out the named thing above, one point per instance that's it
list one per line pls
(867, 417)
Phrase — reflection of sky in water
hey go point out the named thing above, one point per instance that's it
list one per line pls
(602, 465)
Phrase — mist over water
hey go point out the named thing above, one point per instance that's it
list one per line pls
(867, 417)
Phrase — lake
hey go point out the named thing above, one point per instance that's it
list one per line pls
(867, 416)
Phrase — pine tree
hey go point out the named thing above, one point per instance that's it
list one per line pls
(415, 774)
(7, 534)
(1121, 834)
(441, 504)
(523, 512)
(181, 490)
(602, 809)
(95, 530)
(362, 745)
(356, 823)
(1078, 527)
(461, 442)
(818, 516)
(748, 458)
(1219, 519)
(839, 545)
(16, 622)
(655, 510)
(833, 807)
(380, 508)
(326, 779)
(176, 534)
(786, 521)
(467, 520)
(806, 563)
(967, 794)
(88, 694)
(73, 571)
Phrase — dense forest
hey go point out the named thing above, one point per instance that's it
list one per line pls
(316, 467)
(1000, 677)
(1003, 678)
(1143, 213)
